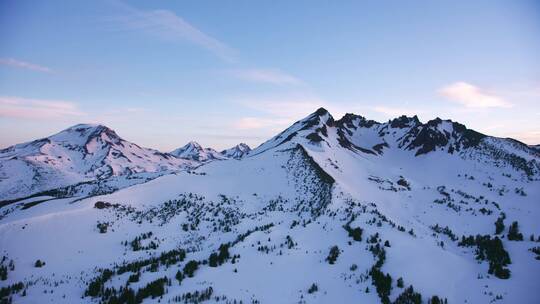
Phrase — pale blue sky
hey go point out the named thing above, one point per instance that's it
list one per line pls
(162, 73)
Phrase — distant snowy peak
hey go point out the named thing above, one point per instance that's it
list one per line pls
(194, 151)
(236, 152)
(77, 154)
(190, 150)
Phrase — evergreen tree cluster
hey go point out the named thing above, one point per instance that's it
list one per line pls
(536, 250)
(153, 289)
(195, 297)
(289, 241)
(513, 232)
(166, 258)
(355, 233)
(102, 227)
(446, 230)
(5, 269)
(39, 264)
(492, 250)
(409, 296)
(333, 255)
(216, 259)
(96, 287)
(437, 300)
(134, 278)
(243, 236)
(190, 268)
(126, 295)
(7, 291)
(382, 283)
(313, 288)
(136, 243)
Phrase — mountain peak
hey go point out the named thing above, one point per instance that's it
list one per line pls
(237, 151)
(194, 151)
(317, 117)
(193, 144)
(321, 111)
(404, 121)
(81, 134)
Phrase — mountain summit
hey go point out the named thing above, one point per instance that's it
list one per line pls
(196, 152)
(237, 151)
(81, 153)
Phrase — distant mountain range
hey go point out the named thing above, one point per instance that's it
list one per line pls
(86, 153)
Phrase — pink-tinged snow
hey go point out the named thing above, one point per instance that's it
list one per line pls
(78, 154)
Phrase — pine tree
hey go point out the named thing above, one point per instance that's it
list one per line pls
(213, 260)
(333, 255)
(513, 232)
(499, 224)
(400, 283)
(179, 276)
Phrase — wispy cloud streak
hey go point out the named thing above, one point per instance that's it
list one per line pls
(472, 96)
(165, 24)
(18, 107)
(24, 65)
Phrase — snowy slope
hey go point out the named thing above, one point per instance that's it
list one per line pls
(194, 151)
(78, 154)
(396, 198)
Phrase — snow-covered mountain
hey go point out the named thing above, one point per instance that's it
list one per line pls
(327, 211)
(237, 151)
(194, 151)
(82, 153)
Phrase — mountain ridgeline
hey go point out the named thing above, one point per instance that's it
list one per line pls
(347, 210)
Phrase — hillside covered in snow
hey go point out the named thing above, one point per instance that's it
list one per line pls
(327, 211)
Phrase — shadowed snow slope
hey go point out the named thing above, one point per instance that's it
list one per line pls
(397, 199)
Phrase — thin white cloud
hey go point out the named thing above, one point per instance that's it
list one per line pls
(25, 65)
(165, 24)
(471, 96)
(272, 76)
(26, 108)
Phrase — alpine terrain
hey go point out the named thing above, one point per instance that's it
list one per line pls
(327, 211)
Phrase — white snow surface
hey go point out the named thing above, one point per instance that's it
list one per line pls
(308, 187)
